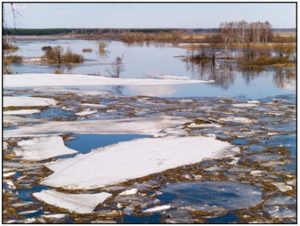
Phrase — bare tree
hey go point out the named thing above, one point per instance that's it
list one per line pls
(116, 68)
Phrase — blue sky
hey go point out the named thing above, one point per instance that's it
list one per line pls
(147, 15)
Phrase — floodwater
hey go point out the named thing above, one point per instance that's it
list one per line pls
(241, 189)
(141, 61)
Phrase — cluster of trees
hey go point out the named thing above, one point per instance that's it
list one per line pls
(243, 32)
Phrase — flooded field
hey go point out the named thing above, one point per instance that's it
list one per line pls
(143, 61)
(116, 144)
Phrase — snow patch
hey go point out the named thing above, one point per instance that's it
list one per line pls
(79, 203)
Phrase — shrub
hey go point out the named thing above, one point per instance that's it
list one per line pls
(46, 48)
(7, 46)
(13, 59)
(70, 57)
(58, 71)
(55, 55)
(87, 50)
(101, 48)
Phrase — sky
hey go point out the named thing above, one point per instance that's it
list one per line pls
(146, 15)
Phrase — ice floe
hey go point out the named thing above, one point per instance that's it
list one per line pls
(157, 208)
(168, 77)
(93, 105)
(238, 120)
(245, 105)
(129, 192)
(142, 125)
(21, 112)
(133, 159)
(282, 186)
(41, 148)
(24, 101)
(85, 113)
(34, 80)
(56, 216)
(79, 203)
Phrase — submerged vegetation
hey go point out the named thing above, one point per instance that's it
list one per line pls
(253, 44)
(56, 55)
(277, 55)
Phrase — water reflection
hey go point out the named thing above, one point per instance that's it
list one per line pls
(250, 73)
(221, 73)
(285, 79)
(225, 74)
(153, 91)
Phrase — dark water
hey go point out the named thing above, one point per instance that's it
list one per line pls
(288, 141)
(212, 194)
(55, 113)
(84, 143)
(152, 219)
(226, 219)
(26, 193)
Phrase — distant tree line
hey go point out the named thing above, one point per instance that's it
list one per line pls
(53, 31)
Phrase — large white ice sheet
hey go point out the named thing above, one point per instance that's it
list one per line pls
(79, 203)
(133, 159)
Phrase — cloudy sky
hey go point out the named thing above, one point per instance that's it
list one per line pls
(146, 15)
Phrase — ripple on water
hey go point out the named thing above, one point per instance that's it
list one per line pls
(200, 195)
